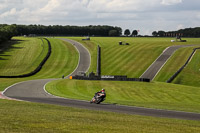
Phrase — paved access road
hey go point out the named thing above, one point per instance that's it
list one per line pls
(152, 71)
(34, 91)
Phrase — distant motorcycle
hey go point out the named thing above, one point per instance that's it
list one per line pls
(98, 98)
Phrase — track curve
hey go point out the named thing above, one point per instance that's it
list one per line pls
(34, 88)
(156, 66)
(34, 91)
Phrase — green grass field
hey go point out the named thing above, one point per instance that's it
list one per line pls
(177, 60)
(26, 117)
(129, 60)
(152, 95)
(26, 52)
(92, 47)
(191, 74)
(63, 61)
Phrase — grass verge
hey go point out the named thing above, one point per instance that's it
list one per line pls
(191, 73)
(26, 52)
(152, 95)
(177, 60)
(63, 61)
(32, 117)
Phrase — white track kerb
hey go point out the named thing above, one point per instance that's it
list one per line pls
(36, 92)
(10, 87)
(79, 57)
(163, 64)
(159, 67)
(73, 71)
(52, 79)
(154, 61)
(77, 64)
(89, 56)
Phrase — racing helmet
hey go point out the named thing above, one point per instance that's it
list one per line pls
(102, 89)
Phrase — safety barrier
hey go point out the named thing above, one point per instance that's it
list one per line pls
(109, 77)
(177, 73)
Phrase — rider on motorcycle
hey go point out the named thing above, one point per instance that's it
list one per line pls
(99, 94)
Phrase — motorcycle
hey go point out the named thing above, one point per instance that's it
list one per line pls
(98, 98)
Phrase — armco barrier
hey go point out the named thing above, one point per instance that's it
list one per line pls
(37, 69)
(176, 74)
(110, 78)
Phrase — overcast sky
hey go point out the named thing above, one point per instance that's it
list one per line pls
(143, 15)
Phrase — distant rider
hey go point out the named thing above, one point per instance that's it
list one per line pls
(101, 93)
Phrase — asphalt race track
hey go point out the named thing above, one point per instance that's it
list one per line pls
(34, 91)
(152, 71)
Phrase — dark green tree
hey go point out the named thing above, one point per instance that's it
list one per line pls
(134, 33)
(57, 30)
(113, 33)
(161, 33)
(7, 32)
(127, 32)
(155, 33)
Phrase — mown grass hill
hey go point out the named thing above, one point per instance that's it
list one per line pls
(61, 61)
(131, 60)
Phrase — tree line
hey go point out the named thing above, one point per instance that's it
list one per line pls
(7, 32)
(128, 33)
(58, 30)
(187, 32)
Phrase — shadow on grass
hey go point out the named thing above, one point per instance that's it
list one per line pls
(8, 46)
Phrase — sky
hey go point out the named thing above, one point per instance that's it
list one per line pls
(143, 15)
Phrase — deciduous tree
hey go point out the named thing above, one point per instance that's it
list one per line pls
(127, 32)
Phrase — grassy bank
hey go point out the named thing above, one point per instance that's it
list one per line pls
(176, 61)
(153, 95)
(191, 73)
(21, 55)
(63, 61)
(31, 117)
(131, 60)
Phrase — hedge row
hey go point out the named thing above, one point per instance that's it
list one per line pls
(37, 69)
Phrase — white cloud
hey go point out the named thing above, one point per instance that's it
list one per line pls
(85, 2)
(171, 2)
(146, 15)
(121, 5)
(52, 4)
(2, 6)
(180, 26)
(198, 15)
(9, 13)
(25, 15)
